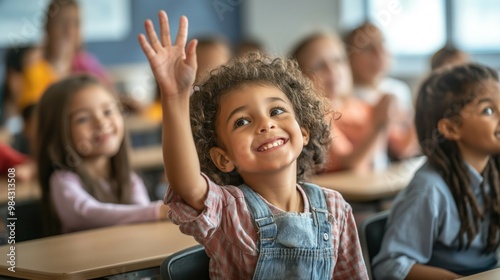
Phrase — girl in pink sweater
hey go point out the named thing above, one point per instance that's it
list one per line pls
(83, 163)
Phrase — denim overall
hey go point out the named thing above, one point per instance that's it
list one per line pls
(292, 245)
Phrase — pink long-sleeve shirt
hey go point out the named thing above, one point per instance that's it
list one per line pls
(78, 210)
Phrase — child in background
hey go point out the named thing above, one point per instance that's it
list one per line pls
(448, 56)
(445, 223)
(63, 53)
(259, 129)
(82, 159)
(17, 59)
(249, 45)
(26, 138)
(370, 62)
(211, 53)
(360, 132)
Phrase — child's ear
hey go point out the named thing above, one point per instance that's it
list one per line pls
(305, 135)
(449, 129)
(221, 160)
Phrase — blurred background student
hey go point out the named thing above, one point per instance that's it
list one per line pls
(249, 45)
(358, 128)
(63, 53)
(211, 53)
(370, 63)
(449, 56)
(17, 59)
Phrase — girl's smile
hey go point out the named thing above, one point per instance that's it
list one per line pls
(96, 122)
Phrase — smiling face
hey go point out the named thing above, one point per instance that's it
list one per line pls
(257, 131)
(96, 123)
(478, 134)
(324, 61)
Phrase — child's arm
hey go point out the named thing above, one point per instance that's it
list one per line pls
(174, 67)
(420, 271)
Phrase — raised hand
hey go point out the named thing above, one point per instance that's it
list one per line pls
(174, 66)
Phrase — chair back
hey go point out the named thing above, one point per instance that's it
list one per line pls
(190, 263)
(371, 235)
(29, 223)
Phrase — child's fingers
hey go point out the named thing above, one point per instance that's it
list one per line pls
(182, 33)
(164, 29)
(153, 38)
(146, 48)
(191, 53)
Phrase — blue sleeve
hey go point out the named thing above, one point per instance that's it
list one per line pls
(411, 231)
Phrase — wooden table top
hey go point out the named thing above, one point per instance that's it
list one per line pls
(140, 159)
(23, 190)
(360, 187)
(138, 123)
(147, 157)
(96, 253)
(493, 274)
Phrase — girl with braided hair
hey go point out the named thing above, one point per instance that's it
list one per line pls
(446, 222)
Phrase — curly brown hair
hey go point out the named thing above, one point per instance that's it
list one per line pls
(309, 106)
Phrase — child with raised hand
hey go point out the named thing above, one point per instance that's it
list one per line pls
(82, 160)
(259, 129)
(446, 222)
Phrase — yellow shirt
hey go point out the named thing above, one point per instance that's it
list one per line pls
(36, 79)
(154, 112)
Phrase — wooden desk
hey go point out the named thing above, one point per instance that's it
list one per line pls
(143, 158)
(96, 253)
(137, 123)
(493, 274)
(364, 187)
(24, 190)
(146, 158)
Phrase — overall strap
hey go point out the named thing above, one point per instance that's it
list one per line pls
(317, 200)
(260, 212)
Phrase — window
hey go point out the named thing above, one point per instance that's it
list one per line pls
(475, 25)
(410, 27)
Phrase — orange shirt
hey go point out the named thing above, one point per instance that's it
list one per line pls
(348, 132)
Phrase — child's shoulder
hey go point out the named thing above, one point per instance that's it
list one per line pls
(427, 176)
(427, 183)
(59, 176)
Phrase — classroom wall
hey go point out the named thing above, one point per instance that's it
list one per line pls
(206, 17)
(281, 28)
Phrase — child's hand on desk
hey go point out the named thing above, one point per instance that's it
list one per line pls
(26, 171)
(174, 66)
(163, 212)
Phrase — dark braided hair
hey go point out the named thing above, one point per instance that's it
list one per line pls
(309, 106)
(443, 95)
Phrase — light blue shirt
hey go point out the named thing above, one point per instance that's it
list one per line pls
(423, 226)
